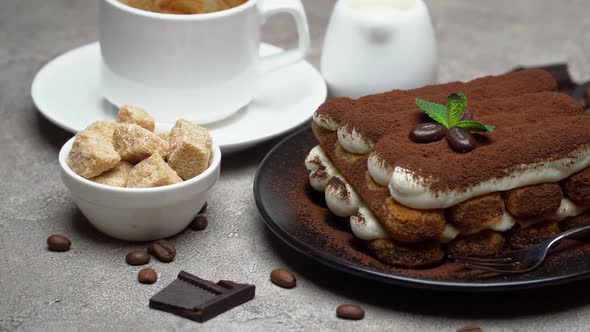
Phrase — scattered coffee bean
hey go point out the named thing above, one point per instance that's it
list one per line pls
(137, 257)
(460, 140)
(466, 116)
(147, 276)
(283, 278)
(58, 243)
(163, 250)
(470, 328)
(200, 223)
(204, 208)
(427, 133)
(350, 311)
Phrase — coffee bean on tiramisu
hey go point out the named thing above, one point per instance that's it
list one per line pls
(460, 140)
(283, 278)
(470, 328)
(199, 223)
(137, 257)
(163, 250)
(147, 276)
(204, 208)
(427, 132)
(58, 243)
(350, 311)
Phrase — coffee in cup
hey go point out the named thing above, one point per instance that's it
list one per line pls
(186, 7)
(202, 67)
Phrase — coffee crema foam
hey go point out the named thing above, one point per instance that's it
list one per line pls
(183, 7)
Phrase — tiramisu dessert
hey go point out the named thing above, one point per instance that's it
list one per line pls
(464, 169)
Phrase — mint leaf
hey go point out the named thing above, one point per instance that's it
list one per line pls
(456, 103)
(474, 126)
(450, 115)
(435, 111)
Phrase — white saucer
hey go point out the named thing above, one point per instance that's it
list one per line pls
(66, 92)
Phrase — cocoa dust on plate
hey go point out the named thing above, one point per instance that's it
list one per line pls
(333, 236)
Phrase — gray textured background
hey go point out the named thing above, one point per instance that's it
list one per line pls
(90, 287)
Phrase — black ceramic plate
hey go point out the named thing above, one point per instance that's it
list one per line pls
(298, 216)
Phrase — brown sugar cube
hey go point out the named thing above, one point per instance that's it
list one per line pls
(533, 201)
(152, 172)
(103, 129)
(116, 177)
(136, 115)
(163, 136)
(90, 155)
(577, 187)
(134, 143)
(478, 212)
(190, 149)
(485, 243)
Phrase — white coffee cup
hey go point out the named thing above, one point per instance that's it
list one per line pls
(201, 67)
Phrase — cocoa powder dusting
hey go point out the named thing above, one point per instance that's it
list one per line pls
(333, 108)
(533, 201)
(340, 189)
(320, 174)
(318, 227)
(532, 128)
(333, 235)
(512, 84)
(533, 123)
(477, 213)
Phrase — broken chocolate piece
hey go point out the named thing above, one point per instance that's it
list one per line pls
(200, 300)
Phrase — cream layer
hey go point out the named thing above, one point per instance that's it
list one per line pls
(343, 201)
(413, 191)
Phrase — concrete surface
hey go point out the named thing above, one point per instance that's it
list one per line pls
(91, 288)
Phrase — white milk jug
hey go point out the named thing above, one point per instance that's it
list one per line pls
(374, 46)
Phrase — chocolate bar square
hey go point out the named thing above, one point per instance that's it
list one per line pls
(200, 300)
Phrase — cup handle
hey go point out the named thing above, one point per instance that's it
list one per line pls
(268, 8)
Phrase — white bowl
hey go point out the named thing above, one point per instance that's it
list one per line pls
(139, 214)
